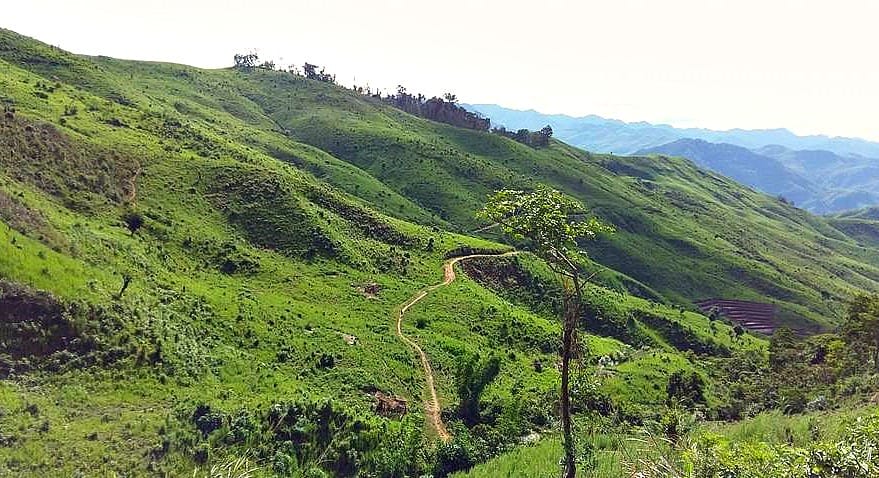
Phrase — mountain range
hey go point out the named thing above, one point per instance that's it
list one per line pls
(819, 173)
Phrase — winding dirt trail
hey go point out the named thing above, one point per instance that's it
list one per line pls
(431, 405)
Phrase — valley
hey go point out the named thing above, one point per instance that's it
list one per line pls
(824, 175)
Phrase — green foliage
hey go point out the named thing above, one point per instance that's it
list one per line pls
(537, 139)
(782, 347)
(542, 217)
(302, 438)
(853, 456)
(801, 373)
(770, 446)
(685, 388)
(133, 221)
(266, 202)
(473, 375)
(861, 328)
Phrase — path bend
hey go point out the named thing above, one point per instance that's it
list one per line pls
(432, 407)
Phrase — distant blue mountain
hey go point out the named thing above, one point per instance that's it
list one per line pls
(604, 135)
(819, 173)
(847, 182)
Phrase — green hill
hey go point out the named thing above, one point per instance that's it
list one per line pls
(684, 233)
(198, 265)
(744, 166)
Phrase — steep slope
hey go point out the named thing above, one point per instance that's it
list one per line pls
(684, 233)
(182, 282)
(861, 224)
(760, 172)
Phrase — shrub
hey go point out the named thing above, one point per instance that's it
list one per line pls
(686, 388)
(327, 361)
(202, 453)
(133, 221)
(793, 401)
(207, 420)
(855, 456)
(454, 455)
(473, 375)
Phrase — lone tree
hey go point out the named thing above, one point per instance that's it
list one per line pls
(126, 281)
(552, 223)
(310, 71)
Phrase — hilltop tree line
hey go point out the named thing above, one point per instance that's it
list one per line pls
(443, 109)
(250, 61)
(535, 139)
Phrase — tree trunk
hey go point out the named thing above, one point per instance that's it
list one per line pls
(571, 315)
(126, 280)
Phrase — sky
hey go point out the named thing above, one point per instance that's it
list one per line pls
(806, 65)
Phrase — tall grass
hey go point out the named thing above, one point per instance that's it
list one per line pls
(234, 467)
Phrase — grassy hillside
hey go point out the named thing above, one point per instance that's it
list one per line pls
(871, 213)
(202, 266)
(746, 448)
(684, 233)
(265, 274)
(763, 173)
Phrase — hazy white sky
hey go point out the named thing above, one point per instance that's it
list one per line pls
(807, 65)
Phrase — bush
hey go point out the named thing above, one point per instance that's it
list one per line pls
(207, 420)
(202, 453)
(686, 388)
(793, 401)
(133, 221)
(472, 376)
(455, 455)
(855, 456)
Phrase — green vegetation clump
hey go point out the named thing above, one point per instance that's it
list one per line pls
(854, 455)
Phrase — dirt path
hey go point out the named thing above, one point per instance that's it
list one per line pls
(431, 405)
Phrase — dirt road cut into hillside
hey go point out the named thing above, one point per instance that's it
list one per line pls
(432, 407)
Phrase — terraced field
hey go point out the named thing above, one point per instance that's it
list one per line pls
(753, 316)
